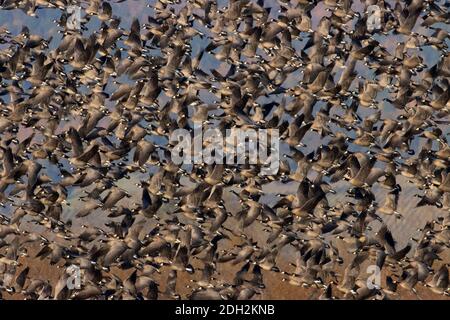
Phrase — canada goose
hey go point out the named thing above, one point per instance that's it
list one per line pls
(115, 248)
(89, 207)
(55, 251)
(244, 253)
(206, 294)
(361, 167)
(439, 281)
(106, 11)
(171, 285)
(250, 214)
(391, 203)
(114, 196)
(87, 292)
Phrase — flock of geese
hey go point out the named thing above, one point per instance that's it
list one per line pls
(87, 111)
